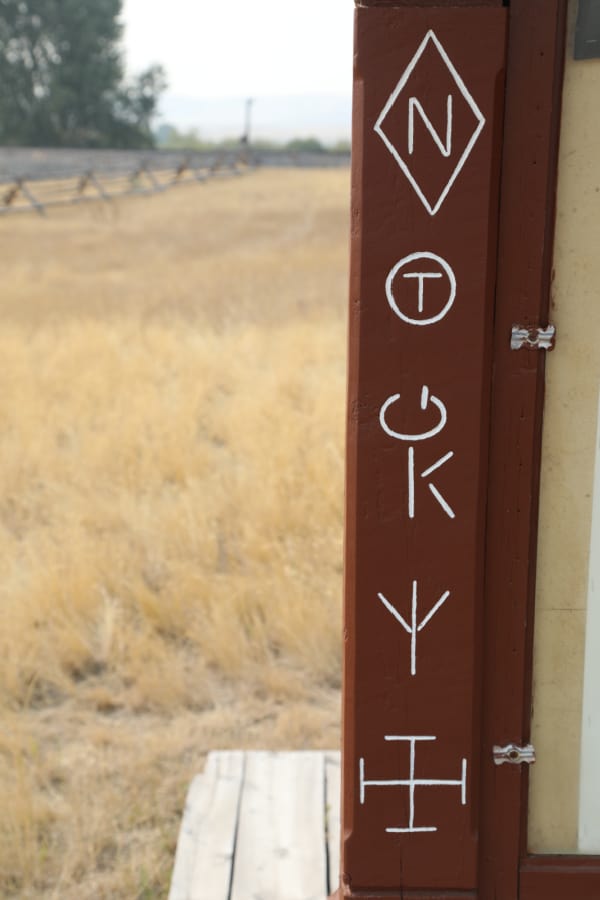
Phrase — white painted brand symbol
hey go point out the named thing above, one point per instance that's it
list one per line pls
(412, 305)
(412, 782)
(426, 399)
(415, 626)
(403, 103)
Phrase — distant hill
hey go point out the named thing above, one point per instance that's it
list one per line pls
(324, 116)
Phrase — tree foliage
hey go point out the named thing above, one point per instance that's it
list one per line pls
(171, 138)
(62, 78)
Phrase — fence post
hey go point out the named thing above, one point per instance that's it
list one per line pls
(99, 186)
(427, 137)
(11, 194)
(145, 168)
(83, 183)
(183, 167)
(30, 197)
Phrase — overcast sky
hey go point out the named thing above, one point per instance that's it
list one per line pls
(240, 48)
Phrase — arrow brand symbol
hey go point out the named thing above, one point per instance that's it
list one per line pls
(412, 123)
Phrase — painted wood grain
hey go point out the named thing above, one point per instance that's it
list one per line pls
(534, 84)
(559, 878)
(426, 167)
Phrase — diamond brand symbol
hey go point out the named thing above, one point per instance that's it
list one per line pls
(429, 68)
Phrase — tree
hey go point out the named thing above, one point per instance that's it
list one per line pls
(62, 77)
(305, 145)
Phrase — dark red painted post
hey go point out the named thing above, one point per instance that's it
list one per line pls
(429, 86)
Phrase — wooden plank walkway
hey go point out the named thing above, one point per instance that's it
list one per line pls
(260, 826)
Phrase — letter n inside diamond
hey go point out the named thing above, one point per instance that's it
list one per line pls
(431, 123)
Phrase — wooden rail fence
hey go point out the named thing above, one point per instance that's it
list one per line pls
(45, 187)
(32, 179)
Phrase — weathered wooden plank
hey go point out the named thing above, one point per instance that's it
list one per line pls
(215, 843)
(207, 838)
(184, 857)
(332, 812)
(280, 849)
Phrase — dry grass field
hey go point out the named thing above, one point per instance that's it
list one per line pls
(171, 457)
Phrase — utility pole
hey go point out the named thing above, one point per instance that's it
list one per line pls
(248, 122)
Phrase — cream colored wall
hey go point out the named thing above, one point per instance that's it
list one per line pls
(570, 423)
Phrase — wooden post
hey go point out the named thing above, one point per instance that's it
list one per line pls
(39, 208)
(452, 238)
(428, 106)
(95, 180)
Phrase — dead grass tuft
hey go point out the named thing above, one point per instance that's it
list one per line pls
(170, 513)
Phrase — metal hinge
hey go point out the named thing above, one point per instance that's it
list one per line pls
(514, 755)
(532, 338)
